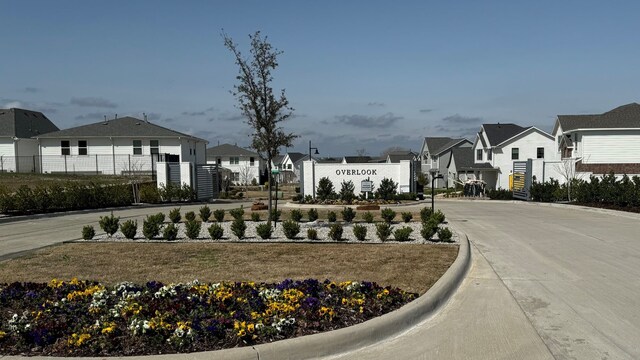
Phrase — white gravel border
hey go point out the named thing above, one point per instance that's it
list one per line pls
(251, 235)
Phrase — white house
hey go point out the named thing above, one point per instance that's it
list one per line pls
(119, 146)
(245, 166)
(18, 150)
(497, 146)
(435, 154)
(602, 143)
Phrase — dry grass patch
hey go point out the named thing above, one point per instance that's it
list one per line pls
(410, 267)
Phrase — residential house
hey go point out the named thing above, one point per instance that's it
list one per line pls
(245, 166)
(290, 167)
(18, 150)
(119, 146)
(601, 143)
(459, 168)
(497, 146)
(434, 157)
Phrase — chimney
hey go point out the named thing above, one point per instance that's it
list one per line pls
(145, 117)
(105, 119)
(115, 117)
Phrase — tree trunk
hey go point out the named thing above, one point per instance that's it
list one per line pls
(270, 185)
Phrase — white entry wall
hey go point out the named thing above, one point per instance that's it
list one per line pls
(312, 173)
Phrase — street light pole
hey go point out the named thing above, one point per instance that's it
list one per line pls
(313, 172)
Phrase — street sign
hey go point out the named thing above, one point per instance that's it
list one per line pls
(366, 186)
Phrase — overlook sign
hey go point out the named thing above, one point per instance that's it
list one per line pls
(357, 172)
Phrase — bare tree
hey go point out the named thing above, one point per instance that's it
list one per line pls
(567, 169)
(263, 110)
(393, 149)
(245, 173)
(361, 152)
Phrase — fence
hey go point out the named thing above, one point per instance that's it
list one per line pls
(84, 164)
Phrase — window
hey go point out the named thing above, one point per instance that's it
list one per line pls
(219, 161)
(234, 160)
(252, 161)
(540, 153)
(289, 166)
(489, 154)
(137, 147)
(82, 147)
(235, 176)
(65, 147)
(515, 153)
(479, 154)
(154, 146)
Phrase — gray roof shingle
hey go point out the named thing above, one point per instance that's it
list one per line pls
(498, 133)
(23, 123)
(463, 157)
(229, 150)
(623, 117)
(121, 127)
(437, 145)
(296, 156)
(357, 159)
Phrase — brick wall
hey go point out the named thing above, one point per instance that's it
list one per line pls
(607, 168)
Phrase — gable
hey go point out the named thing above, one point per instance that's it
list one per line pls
(24, 124)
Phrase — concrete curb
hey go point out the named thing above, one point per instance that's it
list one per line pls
(291, 205)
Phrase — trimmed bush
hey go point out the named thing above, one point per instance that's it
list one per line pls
(295, 215)
(216, 231)
(444, 234)
(325, 189)
(347, 191)
(238, 227)
(275, 215)
(158, 218)
(438, 216)
(406, 216)
(109, 224)
(312, 234)
(290, 229)
(368, 217)
(335, 232)
(264, 231)
(237, 213)
(387, 189)
(388, 215)
(403, 234)
(331, 216)
(425, 214)
(192, 228)
(88, 232)
(383, 230)
(149, 194)
(170, 232)
(360, 232)
(190, 216)
(255, 216)
(312, 214)
(174, 215)
(205, 213)
(348, 214)
(218, 215)
(151, 226)
(500, 194)
(129, 229)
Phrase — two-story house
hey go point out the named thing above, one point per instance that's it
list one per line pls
(497, 146)
(601, 143)
(434, 157)
(245, 166)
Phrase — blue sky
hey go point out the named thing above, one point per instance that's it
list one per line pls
(360, 74)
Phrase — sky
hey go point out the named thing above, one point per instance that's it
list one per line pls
(361, 75)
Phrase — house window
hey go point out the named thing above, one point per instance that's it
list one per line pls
(154, 146)
(540, 153)
(234, 160)
(235, 176)
(219, 161)
(82, 147)
(515, 153)
(252, 161)
(479, 154)
(289, 166)
(65, 147)
(137, 147)
(489, 154)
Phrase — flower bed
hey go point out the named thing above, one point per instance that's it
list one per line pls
(80, 318)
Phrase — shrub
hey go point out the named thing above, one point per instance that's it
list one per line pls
(238, 227)
(367, 217)
(275, 215)
(190, 216)
(438, 216)
(295, 215)
(403, 234)
(151, 226)
(205, 213)
(216, 231)
(170, 232)
(237, 213)
(383, 230)
(88, 232)
(331, 216)
(312, 234)
(264, 231)
(347, 191)
(187, 193)
(109, 224)
(218, 215)
(425, 214)
(129, 229)
(192, 229)
(406, 216)
(312, 214)
(158, 218)
(290, 229)
(174, 215)
(387, 189)
(325, 189)
(444, 234)
(500, 194)
(149, 194)
(255, 216)
(388, 215)
(429, 229)
(335, 232)
(348, 214)
(360, 232)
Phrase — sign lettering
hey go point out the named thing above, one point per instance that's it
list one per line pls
(357, 172)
